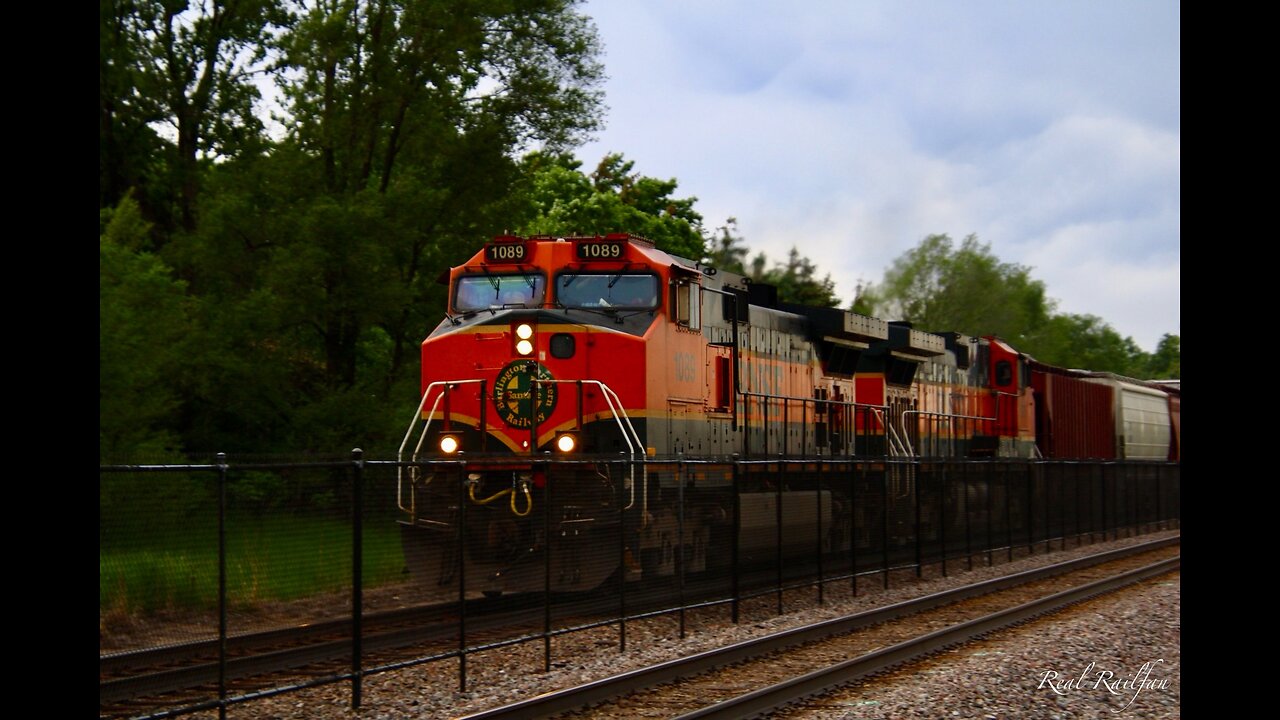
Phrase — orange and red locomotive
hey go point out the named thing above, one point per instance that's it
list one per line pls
(607, 347)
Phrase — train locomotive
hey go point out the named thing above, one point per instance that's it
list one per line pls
(608, 351)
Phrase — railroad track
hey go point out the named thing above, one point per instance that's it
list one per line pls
(129, 676)
(682, 688)
(172, 675)
(323, 647)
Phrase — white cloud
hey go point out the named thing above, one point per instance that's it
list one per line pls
(855, 129)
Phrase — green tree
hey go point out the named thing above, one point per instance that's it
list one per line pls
(565, 201)
(186, 68)
(938, 286)
(143, 331)
(1086, 342)
(726, 249)
(129, 149)
(314, 263)
(383, 85)
(425, 105)
(796, 280)
(1165, 363)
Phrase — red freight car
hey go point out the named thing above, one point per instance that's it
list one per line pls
(1083, 414)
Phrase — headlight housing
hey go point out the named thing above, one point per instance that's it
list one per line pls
(566, 442)
(450, 443)
(524, 339)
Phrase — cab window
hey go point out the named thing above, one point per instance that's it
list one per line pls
(637, 291)
(484, 292)
(1004, 373)
(689, 305)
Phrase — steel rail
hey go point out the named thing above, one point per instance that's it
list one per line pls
(581, 696)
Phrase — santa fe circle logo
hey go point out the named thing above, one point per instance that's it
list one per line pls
(513, 391)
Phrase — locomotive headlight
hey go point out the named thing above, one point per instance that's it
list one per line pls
(524, 339)
(567, 442)
(449, 444)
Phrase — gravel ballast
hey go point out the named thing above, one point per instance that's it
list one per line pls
(1116, 656)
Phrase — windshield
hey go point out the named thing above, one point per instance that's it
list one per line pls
(618, 290)
(481, 292)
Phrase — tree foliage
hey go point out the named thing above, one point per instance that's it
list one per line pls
(1165, 363)
(796, 279)
(938, 286)
(143, 329)
(726, 249)
(381, 86)
(1087, 342)
(310, 260)
(613, 198)
(175, 86)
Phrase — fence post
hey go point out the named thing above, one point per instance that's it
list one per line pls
(1159, 490)
(1133, 502)
(357, 577)
(221, 460)
(1117, 502)
(1008, 511)
(853, 523)
(819, 538)
(1061, 506)
(942, 515)
(680, 539)
(1031, 511)
(915, 491)
(622, 553)
(737, 532)
(1102, 498)
(786, 419)
(1075, 478)
(546, 587)
(884, 526)
(991, 542)
(778, 527)
(1048, 521)
(462, 579)
(968, 514)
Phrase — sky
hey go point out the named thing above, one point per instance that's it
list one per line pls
(852, 130)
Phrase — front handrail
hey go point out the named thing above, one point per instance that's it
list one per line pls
(417, 449)
(629, 435)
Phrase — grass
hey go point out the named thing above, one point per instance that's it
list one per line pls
(270, 558)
